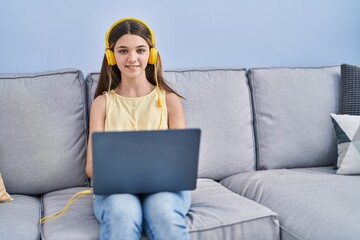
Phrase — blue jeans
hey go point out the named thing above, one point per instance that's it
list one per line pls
(126, 216)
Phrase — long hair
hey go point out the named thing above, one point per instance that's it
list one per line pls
(110, 76)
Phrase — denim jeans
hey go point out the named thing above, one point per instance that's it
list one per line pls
(127, 216)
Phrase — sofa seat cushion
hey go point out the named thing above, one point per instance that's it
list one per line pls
(77, 223)
(216, 213)
(19, 219)
(312, 203)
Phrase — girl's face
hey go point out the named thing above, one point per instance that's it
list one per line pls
(131, 54)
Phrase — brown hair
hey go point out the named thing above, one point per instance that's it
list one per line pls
(110, 76)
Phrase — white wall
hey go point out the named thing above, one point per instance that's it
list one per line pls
(42, 35)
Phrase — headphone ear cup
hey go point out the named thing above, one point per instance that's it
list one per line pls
(153, 56)
(110, 57)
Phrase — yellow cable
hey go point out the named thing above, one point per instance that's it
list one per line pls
(73, 199)
(161, 117)
(160, 104)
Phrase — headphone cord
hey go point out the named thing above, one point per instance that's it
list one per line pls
(74, 198)
(159, 102)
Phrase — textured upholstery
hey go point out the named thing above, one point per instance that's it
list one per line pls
(291, 116)
(312, 203)
(43, 131)
(215, 213)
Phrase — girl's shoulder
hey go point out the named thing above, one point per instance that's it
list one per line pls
(99, 103)
(170, 96)
(100, 99)
(172, 100)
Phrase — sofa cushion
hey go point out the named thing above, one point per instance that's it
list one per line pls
(291, 115)
(215, 213)
(312, 203)
(347, 130)
(20, 218)
(350, 88)
(43, 131)
(218, 102)
(91, 81)
(4, 195)
(78, 222)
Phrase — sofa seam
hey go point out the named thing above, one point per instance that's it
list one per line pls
(289, 232)
(42, 235)
(88, 79)
(40, 74)
(254, 166)
(203, 70)
(274, 216)
(287, 67)
(82, 83)
(250, 76)
(88, 86)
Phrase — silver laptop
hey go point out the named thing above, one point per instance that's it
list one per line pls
(145, 161)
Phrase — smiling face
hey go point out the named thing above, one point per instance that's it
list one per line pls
(131, 54)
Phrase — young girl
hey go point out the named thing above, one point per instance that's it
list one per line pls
(132, 95)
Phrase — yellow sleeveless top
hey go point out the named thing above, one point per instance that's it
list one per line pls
(137, 113)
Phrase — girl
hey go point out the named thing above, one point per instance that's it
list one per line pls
(132, 95)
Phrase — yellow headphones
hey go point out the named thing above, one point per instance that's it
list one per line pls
(110, 54)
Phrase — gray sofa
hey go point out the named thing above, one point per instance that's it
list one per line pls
(266, 157)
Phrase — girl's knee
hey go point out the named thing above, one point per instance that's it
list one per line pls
(120, 216)
(123, 206)
(166, 205)
(164, 215)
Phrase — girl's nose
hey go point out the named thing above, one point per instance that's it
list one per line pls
(132, 57)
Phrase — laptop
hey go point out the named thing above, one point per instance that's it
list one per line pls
(145, 161)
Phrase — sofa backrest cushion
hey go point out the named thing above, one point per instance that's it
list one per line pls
(292, 121)
(43, 131)
(218, 102)
(91, 82)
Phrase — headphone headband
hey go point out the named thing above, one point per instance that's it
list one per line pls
(124, 20)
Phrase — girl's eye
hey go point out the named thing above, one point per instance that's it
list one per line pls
(123, 51)
(141, 50)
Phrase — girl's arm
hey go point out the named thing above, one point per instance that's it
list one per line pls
(176, 116)
(97, 124)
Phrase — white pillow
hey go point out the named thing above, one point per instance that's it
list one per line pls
(347, 130)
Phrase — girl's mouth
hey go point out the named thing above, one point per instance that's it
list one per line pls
(132, 67)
